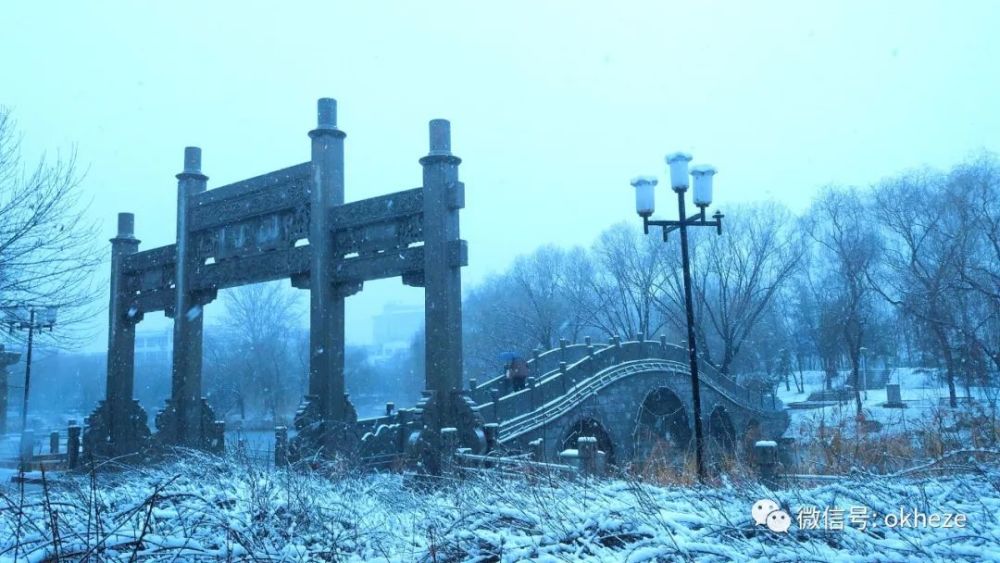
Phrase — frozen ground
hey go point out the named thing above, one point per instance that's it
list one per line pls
(925, 398)
(204, 508)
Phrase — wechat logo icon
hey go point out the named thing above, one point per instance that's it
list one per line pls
(766, 512)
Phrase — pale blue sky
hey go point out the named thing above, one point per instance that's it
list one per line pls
(554, 106)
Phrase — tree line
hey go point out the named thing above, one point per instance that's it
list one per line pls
(904, 271)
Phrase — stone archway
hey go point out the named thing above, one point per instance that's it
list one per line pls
(662, 430)
(592, 428)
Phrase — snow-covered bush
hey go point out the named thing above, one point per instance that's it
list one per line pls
(206, 508)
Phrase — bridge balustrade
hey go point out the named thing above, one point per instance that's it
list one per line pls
(538, 367)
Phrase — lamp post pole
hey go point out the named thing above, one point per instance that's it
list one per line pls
(27, 371)
(31, 324)
(692, 343)
(702, 198)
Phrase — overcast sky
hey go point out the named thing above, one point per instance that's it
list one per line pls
(554, 106)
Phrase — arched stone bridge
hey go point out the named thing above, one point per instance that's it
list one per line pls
(634, 397)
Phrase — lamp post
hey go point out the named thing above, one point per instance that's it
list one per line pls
(26, 317)
(644, 206)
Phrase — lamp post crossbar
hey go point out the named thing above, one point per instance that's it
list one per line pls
(696, 220)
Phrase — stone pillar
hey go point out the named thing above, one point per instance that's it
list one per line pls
(894, 399)
(586, 447)
(122, 320)
(119, 424)
(537, 449)
(27, 448)
(326, 320)
(54, 442)
(492, 432)
(443, 197)
(766, 458)
(188, 420)
(73, 445)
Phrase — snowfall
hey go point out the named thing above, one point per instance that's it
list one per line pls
(205, 508)
(197, 507)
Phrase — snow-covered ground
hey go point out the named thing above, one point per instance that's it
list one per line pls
(204, 508)
(924, 396)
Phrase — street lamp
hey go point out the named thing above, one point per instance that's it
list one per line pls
(30, 318)
(644, 206)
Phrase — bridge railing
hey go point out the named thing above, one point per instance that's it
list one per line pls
(578, 393)
(557, 383)
(64, 449)
(539, 365)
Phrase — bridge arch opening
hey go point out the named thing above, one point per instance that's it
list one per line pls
(662, 430)
(592, 428)
(721, 438)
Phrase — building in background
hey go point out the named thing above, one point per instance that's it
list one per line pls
(154, 346)
(394, 328)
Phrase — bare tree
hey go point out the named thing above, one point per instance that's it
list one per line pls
(544, 296)
(848, 248)
(47, 246)
(628, 281)
(979, 182)
(256, 360)
(736, 278)
(929, 242)
(537, 302)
